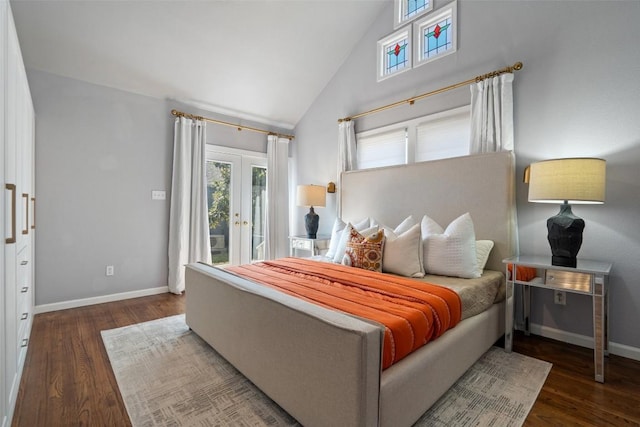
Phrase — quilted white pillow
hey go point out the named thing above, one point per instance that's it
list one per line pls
(336, 234)
(344, 238)
(403, 251)
(483, 249)
(450, 252)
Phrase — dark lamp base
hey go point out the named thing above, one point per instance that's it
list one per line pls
(561, 261)
(311, 221)
(565, 236)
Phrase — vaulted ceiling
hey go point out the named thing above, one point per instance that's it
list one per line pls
(265, 60)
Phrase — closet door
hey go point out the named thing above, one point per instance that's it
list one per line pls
(3, 63)
(17, 299)
(24, 265)
(12, 214)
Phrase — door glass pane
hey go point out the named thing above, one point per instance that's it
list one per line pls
(258, 199)
(218, 198)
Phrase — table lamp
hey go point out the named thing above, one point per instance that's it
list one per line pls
(566, 181)
(310, 196)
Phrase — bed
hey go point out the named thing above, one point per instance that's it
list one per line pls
(324, 367)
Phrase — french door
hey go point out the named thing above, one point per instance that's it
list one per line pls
(236, 193)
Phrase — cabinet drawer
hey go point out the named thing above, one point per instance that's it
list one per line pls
(302, 244)
(580, 282)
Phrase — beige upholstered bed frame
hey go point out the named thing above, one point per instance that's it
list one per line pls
(323, 367)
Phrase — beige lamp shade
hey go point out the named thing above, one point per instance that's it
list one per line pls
(311, 195)
(576, 180)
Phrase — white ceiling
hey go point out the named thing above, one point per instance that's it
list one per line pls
(265, 60)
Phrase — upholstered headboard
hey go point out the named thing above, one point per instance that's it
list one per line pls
(481, 184)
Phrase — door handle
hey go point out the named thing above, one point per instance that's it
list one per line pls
(33, 224)
(25, 196)
(12, 188)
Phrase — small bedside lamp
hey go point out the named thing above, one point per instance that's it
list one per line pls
(566, 181)
(310, 196)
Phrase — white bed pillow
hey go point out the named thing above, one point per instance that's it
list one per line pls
(406, 224)
(450, 252)
(403, 251)
(344, 238)
(336, 234)
(483, 249)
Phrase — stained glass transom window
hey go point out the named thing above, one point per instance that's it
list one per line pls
(394, 53)
(397, 56)
(438, 39)
(436, 35)
(415, 6)
(407, 10)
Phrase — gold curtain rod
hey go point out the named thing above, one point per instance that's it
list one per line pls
(411, 101)
(223, 123)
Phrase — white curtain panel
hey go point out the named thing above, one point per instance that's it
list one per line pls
(492, 114)
(347, 155)
(276, 233)
(492, 125)
(188, 217)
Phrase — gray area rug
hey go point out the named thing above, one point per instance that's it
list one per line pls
(168, 376)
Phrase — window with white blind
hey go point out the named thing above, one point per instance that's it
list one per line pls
(444, 135)
(382, 148)
(437, 136)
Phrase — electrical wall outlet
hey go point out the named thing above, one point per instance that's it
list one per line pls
(560, 297)
(109, 270)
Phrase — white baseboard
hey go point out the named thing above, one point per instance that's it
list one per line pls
(584, 341)
(45, 308)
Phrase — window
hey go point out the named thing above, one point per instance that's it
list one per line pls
(394, 53)
(406, 10)
(236, 194)
(437, 136)
(444, 135)
(386, 148)
(436, 34)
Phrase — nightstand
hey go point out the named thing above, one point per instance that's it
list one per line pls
(304, 243)
(587, 278)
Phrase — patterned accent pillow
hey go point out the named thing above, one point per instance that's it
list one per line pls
(365, 252)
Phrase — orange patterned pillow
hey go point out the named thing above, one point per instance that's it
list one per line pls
(365, 252)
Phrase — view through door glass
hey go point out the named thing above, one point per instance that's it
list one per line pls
(236, 190)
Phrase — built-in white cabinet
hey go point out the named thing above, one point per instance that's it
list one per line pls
(17, 131)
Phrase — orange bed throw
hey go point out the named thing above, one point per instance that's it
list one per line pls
(412, 312)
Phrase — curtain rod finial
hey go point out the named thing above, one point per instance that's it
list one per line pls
(517, 66)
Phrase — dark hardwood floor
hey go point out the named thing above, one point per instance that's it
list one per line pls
(67, 380)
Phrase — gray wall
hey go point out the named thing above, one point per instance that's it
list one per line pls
(99, 154)
(578, 95)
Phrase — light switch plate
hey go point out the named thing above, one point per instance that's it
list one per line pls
(158, 195)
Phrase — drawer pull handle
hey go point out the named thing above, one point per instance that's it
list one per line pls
(24, 289)
(25, 342)
(25, 262)
(24, 316)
